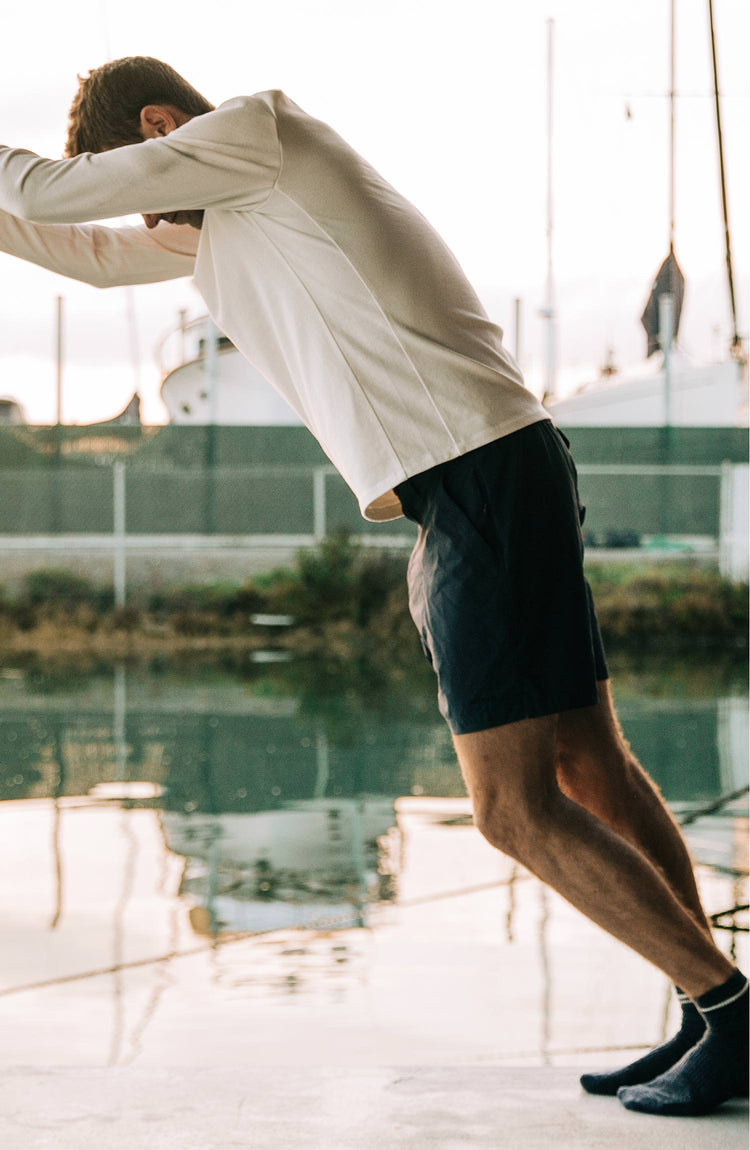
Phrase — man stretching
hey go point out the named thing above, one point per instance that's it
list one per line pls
(344, 297)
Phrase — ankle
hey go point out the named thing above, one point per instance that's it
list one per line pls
(712, 981)
(732, 993)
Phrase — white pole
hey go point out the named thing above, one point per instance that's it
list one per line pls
(322, 762)
(118, 530)
(212, 368)
(319, 503)
(133, 333)
(59, 360)
(666, 328)
(183, 324)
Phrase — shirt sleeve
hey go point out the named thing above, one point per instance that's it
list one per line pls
(229, 158)
(103, 256)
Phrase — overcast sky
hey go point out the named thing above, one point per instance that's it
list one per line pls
(448, 100)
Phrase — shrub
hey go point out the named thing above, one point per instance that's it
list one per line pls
(248, 600)
(641, 607)
(381, 586)
(222, 599)
(336, 581)
(321, 587)
(56, 587)
(127, 618)
(326, 579)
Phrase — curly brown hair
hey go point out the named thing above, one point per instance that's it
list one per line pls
(106, 109)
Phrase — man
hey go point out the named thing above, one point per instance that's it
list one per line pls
(343, 296)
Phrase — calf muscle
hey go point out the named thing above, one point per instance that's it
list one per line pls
(511, 775)
(597, 769)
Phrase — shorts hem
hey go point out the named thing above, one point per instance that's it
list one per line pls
(495, 714)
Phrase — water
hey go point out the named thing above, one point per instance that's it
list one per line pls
(276, 863)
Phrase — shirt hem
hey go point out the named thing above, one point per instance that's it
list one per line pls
(391, 509)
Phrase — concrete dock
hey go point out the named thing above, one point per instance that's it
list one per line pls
(461, 1016)
(332, 1108)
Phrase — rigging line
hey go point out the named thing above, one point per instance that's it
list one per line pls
(478, 888)
(713, 807)
(736, 341)
(243, 936)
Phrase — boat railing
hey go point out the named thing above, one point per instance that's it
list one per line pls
(186, 343)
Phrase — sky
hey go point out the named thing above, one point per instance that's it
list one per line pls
(448, 101)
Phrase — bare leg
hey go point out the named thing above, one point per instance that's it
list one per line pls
(598, 770)
(511, 774)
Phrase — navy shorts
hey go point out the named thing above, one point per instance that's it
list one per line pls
(496, 583)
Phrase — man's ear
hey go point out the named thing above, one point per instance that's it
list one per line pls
(156, 120)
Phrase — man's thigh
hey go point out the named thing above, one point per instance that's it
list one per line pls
(524, 759)
(511, 767)
(592, 732)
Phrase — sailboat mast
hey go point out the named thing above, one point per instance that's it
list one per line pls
(672, 99)
(736, 340)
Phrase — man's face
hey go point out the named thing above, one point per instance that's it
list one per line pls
(194, 219)
(159, 120)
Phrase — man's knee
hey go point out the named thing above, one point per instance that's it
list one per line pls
(515, 818)
(510, 774)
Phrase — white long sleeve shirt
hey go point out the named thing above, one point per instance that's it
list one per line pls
(323, 276)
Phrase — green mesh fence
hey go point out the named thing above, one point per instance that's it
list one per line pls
(277, 481)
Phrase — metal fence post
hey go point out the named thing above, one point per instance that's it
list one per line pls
(319, 503)
(211, 345)
(118, 531)
(734, 561)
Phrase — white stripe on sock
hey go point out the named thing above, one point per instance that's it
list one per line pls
(708, 1009)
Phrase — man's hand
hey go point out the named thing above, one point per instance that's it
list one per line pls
(193, 219)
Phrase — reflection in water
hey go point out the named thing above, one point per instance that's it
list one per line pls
(511, 902)
(59, 787)
(162, 981)
(546, 1010)
(283, 810)
(316, 861)
(219, 745)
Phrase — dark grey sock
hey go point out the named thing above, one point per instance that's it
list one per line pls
(715, 1070)
(658, 1060)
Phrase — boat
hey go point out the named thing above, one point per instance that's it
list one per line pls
(11, 412)
(700, 395)
(205, 380)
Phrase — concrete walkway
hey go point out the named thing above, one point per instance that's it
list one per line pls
(333, 1108)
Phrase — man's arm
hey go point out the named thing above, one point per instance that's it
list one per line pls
(229, 158)
(102, 256)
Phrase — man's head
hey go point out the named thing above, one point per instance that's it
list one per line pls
(108, 108)
(127, 101)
